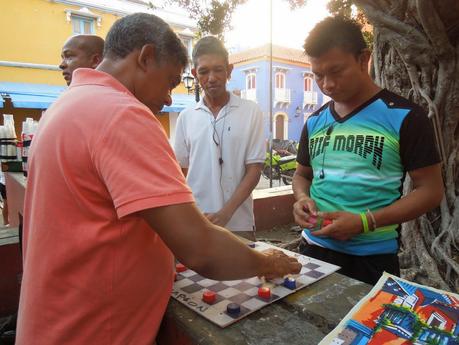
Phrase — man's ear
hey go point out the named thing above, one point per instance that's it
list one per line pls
(146, 56)
(364, 57)
(95, 60)
(193, 72)
(229, 71)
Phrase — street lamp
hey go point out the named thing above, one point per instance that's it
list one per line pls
(191, 85)
(298, 111)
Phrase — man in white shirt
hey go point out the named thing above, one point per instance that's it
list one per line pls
(220, 144)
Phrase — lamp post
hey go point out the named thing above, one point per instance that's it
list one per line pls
(270, 97)
(298, 111)
(191, 85)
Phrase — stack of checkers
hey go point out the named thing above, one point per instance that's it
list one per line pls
(225, 302)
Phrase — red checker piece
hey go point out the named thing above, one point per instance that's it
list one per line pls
(264, 292)
(327, 222)
(208, 297)
(180, 268)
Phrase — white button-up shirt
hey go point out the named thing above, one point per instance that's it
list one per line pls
(235, 138)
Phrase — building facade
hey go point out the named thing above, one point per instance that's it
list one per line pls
(34, 32)
(295, 95)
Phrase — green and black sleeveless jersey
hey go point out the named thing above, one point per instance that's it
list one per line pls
(360, 161)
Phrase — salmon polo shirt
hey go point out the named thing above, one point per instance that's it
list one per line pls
(94, 271)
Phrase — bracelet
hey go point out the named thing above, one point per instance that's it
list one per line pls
(373, 219)
(364, 219)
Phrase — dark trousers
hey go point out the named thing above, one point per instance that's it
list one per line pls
(367, 269)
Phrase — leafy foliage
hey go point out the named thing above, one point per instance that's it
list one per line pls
(340, 7)
(212, 18)
(344, 8)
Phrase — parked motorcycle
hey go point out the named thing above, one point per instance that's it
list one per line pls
(283, 166)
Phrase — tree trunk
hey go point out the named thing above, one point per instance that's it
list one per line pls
(416, 54)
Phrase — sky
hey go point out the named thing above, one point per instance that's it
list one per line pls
(250, 23)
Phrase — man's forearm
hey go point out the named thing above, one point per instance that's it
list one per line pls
(427, 194)
(300, 186)
(245, 187)
(204, 247)
(415, 204)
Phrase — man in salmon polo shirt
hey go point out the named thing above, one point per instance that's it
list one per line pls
(107, 207)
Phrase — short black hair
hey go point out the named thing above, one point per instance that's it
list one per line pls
(335, 32)
(209, 45)
(136, 30)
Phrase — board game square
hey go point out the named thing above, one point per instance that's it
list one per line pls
(183, 282)
(196, 278)
(254, 281)
(327, 269)
(231, 282)
(311, 265)
(252, 291)
(304, 270)
(229, 292)
(242, 286)
(240, 298)
(314, 274)
(192, 288)
(220, 306)
(188, 273)
(305, 280)
(207, 282)
(218, 298)
(217, 287)
(283, 291)
(303, 260)
(253, 303)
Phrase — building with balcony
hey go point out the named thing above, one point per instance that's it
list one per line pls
(294, 93)
(33, 33)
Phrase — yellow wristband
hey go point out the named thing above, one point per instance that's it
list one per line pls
(364, 219)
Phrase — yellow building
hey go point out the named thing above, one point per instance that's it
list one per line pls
(33, 32)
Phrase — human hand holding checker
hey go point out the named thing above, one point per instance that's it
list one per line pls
(338, 225)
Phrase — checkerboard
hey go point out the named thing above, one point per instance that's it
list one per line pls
(189, 287)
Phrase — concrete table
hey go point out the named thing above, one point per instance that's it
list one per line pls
(302, 318)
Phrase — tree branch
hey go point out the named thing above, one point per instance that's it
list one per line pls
(381, 19)
(434, 29)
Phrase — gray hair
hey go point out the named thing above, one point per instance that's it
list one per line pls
(209, 45)
(136, 30)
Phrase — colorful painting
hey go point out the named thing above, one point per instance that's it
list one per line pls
(396, 312)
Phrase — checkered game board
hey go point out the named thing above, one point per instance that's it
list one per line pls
(189, 287)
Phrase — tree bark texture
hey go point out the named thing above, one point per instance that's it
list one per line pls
(416, 54)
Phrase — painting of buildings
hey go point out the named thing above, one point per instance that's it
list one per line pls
(399, 312)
